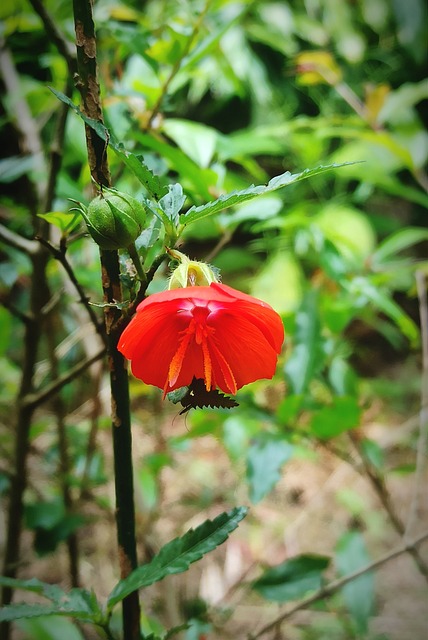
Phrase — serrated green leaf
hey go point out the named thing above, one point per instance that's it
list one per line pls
(133, 162)
(50, 591)
(22, 610)
(398, 241)
(351, 555)
(225, 201)
(264, 461)
(177, 555)
(292, 579)
(78, 603)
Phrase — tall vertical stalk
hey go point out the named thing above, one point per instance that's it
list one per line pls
(110, 273)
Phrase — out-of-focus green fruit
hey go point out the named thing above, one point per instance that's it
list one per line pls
(114, 219)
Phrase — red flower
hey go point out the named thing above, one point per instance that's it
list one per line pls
(214, 333)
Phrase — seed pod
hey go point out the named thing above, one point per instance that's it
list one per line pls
(114, 219)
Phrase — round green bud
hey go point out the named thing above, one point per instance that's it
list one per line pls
(114, 219)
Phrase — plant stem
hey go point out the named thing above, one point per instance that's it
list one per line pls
(133, 253)
(335, 585)
(110, 274)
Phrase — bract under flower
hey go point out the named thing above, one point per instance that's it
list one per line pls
(214, 333)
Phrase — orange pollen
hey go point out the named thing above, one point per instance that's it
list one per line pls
(200, 332)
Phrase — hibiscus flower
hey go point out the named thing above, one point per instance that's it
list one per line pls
(212, 333)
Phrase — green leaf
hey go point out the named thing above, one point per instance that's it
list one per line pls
(396, 242)
(44, 514)
(64, 221)
(172, 202)
(292, 579)
(50, 591)
(22, 610)
(149, 236)
(307, 357)
(196, 140)
(351, 555)
(289, 409)
(133, 162)
(195, 214)
(342, 377)
(177, 555)
(374, 453)
(264, 461)
(51, 628)
(78, 603)
(382, 300)
(14, 167)
(342, 415)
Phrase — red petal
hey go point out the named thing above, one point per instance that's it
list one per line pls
(245, 347)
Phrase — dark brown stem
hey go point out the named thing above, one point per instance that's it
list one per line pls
(110, 273)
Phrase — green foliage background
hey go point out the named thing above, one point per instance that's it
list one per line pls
(217, 96)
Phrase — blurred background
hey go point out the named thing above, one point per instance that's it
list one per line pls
(217, 96)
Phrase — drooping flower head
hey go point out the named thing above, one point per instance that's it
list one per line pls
(213, 333)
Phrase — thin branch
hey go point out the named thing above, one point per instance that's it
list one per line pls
(20, 113)
(60, 255)
(64, 47)
(25, 318)
(30, 247)
(423, 414)
(382, 492)
(177, 64)
(64, 457)
(335, 585)
(34, 400)
(125, 318)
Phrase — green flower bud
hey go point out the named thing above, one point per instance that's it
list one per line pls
(114, 219)
(190, 273)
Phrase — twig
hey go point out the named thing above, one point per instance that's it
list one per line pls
(35, 399)
(60, 255)
(224, 240)
(378, 485)
(177, 64)
(64, 458)
(125, 318)
(20, 113)
(25, 318)
(423, 414)
(39, 295)
(30, 247)
(335, 585)
(55, 36)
